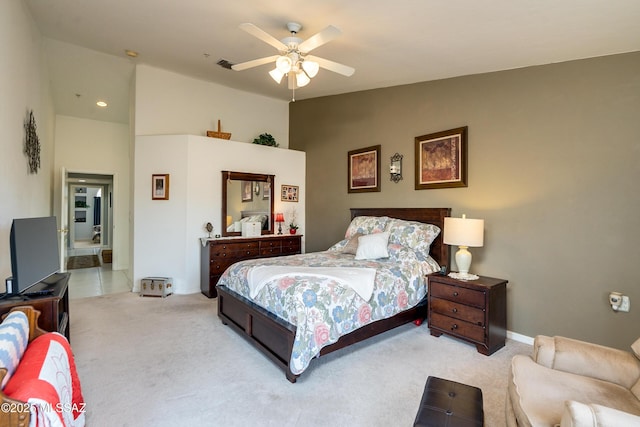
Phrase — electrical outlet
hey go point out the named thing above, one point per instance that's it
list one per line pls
(625, 305)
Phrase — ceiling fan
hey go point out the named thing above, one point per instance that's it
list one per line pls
(293, 59)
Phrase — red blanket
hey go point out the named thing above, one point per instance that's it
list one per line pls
(47, 379)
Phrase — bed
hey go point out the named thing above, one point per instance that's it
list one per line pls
(293, 335)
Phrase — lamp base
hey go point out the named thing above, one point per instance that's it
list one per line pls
(463, 276)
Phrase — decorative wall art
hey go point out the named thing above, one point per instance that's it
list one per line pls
(247, 191)
(289, 193)
(160, 187)
(266, 190)
(441, 159)
(32, 143)
(364, 170)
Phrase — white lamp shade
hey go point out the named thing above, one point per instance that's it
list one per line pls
(283, 63)
(302, 79)
(464, 232)
(276, 75)
(311, 68)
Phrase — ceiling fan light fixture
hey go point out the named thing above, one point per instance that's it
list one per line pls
(311, 68)
(276, 75)
(301, 79)
(283, 63)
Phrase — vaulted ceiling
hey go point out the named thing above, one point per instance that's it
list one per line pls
(388, 42)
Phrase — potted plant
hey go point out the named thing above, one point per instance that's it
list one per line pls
(266, 139)
(293, 228)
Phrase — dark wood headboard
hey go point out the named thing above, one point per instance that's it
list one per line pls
(439, 251)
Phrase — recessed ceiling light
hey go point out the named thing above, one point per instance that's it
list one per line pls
(82, 180)
(131, 53)
(101, 104)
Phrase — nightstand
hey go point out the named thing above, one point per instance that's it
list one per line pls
(472, 310)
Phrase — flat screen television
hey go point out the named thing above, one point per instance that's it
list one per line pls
(35, 255)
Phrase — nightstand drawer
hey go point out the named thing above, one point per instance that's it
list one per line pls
(457, 327)
(459, 311)
(457, 294)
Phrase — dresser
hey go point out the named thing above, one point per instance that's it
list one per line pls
(218, 254)
(473, 310)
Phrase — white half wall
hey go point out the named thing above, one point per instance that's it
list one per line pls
(168, 103)
(166, 239)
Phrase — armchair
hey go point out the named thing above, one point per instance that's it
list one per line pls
(567, 382)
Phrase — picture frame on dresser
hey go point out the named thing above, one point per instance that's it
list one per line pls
(441, 159)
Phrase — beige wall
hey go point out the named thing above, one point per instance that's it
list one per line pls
(554, 163)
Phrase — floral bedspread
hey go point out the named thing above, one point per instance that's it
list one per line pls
(322, 309)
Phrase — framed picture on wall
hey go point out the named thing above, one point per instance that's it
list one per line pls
(160, 186)
(441, 159)
(364, 170)
(289, 193)
(266, 190)
(247, 191)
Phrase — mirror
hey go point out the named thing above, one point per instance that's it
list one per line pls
(246, 197)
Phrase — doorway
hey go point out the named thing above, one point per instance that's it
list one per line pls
(90, 214)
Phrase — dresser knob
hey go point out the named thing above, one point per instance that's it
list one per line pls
(455, 310)
(455, 294)
(454, 327)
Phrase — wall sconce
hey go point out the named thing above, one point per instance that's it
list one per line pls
(395, 168)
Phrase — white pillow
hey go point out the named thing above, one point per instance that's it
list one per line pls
(373, 246)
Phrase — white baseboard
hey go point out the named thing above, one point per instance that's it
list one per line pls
(519, 337)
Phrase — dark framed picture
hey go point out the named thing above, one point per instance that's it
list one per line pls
(289, 193)
(364, 170)
(160, 187)
(441, 159)
(247, 191)
(266, 190)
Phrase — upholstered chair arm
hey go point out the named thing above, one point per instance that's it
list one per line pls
(587, 359)
(578, 414)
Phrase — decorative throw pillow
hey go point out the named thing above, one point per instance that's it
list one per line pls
(373, 246)
(14, 338)
(366, 225)
(352, 245)
(412, 234)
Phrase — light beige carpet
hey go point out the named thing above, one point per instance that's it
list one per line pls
(170, 362)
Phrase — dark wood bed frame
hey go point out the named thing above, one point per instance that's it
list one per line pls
(274, 336)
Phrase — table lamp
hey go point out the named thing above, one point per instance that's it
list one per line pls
(279, 220)
(464, 233)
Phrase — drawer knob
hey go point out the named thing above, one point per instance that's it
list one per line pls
(455, 294)
(454, 327)
(455, 310)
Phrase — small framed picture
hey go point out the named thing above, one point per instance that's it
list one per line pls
(160, 187)
(364, 170)
(441, 159)
(289, 193)
(247, 191)
(266, 190)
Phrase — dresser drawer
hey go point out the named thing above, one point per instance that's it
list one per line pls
(291, 246)
(457, 294)
(457, 327)
(270, 247)
(235, 251)
(459, 311)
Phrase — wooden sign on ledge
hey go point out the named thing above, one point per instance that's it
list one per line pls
(218, 133)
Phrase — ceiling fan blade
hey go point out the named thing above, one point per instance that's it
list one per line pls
(345, 70)
(318, 39)
(254, 63)
(263, 35)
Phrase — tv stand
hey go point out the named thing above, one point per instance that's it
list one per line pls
(53, 305)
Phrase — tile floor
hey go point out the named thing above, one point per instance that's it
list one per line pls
(94, 281)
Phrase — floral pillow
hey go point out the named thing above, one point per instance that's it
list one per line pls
(412, 234)
(367, 225)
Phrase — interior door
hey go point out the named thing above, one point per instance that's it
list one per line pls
(64, 218)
